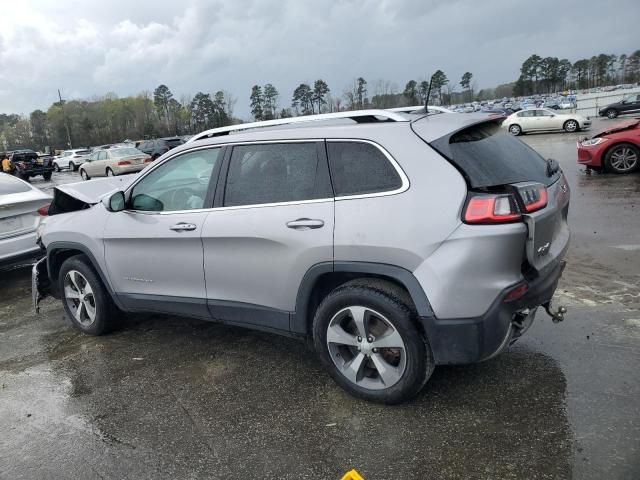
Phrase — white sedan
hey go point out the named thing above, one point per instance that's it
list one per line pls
(21, 208)
(543, 119)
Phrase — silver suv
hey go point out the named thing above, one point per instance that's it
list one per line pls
(395, 242)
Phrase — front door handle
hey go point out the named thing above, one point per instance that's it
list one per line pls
(183, 227)
(305, 224)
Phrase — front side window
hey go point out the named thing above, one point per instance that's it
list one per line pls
(181, 183)
(359, 168)
(274, 173)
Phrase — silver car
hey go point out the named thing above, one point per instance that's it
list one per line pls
(395, 242)
(114, 161)
(22, 206)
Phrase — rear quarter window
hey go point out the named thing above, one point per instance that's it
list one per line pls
(359, 168)
(487, 156)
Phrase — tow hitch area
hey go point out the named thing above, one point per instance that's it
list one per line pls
(40, 284)
(557, 315)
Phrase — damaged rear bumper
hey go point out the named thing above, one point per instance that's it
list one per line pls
(40, 283)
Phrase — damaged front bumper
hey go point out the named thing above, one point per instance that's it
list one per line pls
(40, 283)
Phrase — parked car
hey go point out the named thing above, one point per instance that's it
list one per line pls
(629, 104)
(159, 146)
(71, 159)
(311, 232)
(565, 104)
(114, 161)
(26, 164)
(21, 207)
(616, 149)
(543, 119)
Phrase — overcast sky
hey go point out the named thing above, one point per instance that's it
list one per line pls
(89, 48)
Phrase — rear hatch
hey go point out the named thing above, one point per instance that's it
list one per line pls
(496, 164)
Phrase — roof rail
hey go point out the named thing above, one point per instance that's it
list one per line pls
(359, 116)
(432, 108)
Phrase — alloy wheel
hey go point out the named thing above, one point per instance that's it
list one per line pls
(79, 297)
(514, 129)
(571, 126)
(366, 348)
(612, 114)
(624, 159)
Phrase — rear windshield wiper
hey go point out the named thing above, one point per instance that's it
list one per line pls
(553, 167)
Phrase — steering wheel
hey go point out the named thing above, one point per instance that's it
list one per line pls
(181, 196)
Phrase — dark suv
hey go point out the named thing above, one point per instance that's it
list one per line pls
(629, 104)
(26, 164)
(159, 146)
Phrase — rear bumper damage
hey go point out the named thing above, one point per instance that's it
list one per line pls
(469, 340)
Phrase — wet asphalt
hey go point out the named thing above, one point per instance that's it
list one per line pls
(167, 397)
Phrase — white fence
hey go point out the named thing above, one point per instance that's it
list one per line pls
(588, 104)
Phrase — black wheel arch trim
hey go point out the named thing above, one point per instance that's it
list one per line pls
(57, 246)
(299, 320)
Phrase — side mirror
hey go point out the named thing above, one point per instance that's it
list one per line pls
(114, 202)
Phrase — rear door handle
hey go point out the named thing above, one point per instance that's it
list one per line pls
(305, 224)
(183, 227)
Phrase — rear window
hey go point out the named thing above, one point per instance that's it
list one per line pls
(488, 157)
(9, 184)
(174, 142)
(123, 152)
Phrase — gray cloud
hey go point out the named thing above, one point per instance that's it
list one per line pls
(125, 47)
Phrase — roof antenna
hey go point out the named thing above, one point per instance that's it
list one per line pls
(426, 102)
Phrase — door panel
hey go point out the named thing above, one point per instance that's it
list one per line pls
(251, 256)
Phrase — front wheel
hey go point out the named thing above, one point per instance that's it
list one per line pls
(72, 166)
(622, 158)
(571, 126)
(515, 129)
(86, 301)
(365, 334)
(84, 175)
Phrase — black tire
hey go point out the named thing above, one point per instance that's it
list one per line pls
(72, 167)
(611, 113)
(515, 129)
(56, 167)
(571, 126)
(632, 164)
(84, 175)
(47, 176)
(110, 173)
(106, 312)
(395, 304)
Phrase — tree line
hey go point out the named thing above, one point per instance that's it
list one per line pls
(110, 118)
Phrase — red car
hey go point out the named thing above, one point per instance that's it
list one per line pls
(616, 149)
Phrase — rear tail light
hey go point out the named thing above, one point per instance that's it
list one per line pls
(44, 211)
(517, 292)
(490, 208)
(124, 162)
(534, 198)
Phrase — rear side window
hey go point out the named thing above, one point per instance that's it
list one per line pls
(273, 173)
(358, 168)
(487, 157)
(9, 184)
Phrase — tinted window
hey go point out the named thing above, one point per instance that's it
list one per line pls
(487, 156)
(123, 152)
(9, 184)
(527, 113)
(285, 172)
(174, 142)
(544, 113)
(358, 168)
(181, 183)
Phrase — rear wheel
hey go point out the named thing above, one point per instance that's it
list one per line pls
(365, 335)
(56, 167)
(86, 301)
(622, 158)
(84, 175)
(611, 113)
(515, 129)
(571, 126)
(110, 173)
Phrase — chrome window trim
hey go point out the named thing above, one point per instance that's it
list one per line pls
(403, 188)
